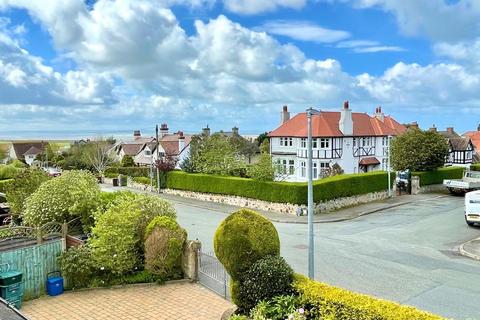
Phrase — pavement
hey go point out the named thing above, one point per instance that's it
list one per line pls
(182, 300)
(471, 249)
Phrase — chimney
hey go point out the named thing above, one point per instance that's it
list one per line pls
(450, 130)
(136, 134)
(206, 131)
(414, 125)
(478, 128)
(433, 129)
(379, 114)
(346, 122)
(181, 141)
(235, 130)
(285, 115)
(163, 130)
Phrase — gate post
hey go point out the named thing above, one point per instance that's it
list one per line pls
(190, 264)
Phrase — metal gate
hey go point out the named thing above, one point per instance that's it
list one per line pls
(213, 275)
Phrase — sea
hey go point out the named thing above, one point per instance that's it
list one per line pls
(67, 135)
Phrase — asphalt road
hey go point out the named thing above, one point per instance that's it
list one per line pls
(407, 254)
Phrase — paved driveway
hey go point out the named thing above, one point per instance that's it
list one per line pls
(182, 300)
(407, 254)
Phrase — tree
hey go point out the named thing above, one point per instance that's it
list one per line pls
(263, 169)
(98, 154)
(25, 183)
(127, 161)
(265, 146)
(261, 138)
(167, 163)
(418, 150)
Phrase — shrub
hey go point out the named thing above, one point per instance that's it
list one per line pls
(243, 238)
(437, 176)
(8, 171)
(263, 169)
(77, 266)
(475, 167)
(142, 180)
(127, 161)
(164, 244)
(336, 303)
(4, 184)
(283, 307)
(123, 180)
(18, 164)
(26, 182)
(111, 175)
(73, 194)
(114, 240)
(285, 192)
(266, 278)
(119, 233)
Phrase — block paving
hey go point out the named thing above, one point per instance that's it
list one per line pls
(181, 300)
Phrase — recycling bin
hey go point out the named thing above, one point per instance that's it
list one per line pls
(54, 283)
(11, 286)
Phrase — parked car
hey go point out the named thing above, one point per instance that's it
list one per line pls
(469, 182)
(472, 207)
(52, 171)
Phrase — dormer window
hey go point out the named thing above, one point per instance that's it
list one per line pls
(148, 152)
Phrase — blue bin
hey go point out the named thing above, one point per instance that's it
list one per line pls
(54, 283)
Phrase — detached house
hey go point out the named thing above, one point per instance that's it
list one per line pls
(26, 151)
(460, 149)
(357, 142)
(475, 138)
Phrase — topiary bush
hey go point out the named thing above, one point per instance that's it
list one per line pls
(164, 244)
(243, 238)
(266, 278)
(25, 183)
(77, 266)
(73, 194)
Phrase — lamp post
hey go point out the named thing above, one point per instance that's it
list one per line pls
(311, 242)
(388, 169)
(158, 159)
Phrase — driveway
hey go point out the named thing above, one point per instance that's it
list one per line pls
(408, 254)
(181, 300)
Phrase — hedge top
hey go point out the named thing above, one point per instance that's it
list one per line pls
(243, 238)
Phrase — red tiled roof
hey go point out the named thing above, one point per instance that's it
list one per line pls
(326, 124)
(169, 143)
(369, 161)
(474, 137)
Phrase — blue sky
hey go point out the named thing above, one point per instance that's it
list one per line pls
(121, 65)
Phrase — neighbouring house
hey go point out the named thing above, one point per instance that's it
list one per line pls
(357, 142)
(26, 151)
(143, 149)
(460, 149)
(475, 138)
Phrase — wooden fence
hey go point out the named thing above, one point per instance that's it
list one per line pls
(35, 262)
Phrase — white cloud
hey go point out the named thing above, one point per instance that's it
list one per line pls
(375, 49)
(357, 43)
(368, 46)
(260, 6)
(304, 31)
(438, 20)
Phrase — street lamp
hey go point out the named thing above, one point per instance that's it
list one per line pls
(388, 170)
(311, 242)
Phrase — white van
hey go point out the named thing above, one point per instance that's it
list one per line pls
(472, 207)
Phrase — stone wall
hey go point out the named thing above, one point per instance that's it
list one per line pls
(279, 207)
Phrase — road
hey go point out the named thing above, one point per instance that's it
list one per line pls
(407, 254)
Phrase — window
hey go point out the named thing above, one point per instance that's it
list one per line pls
(315, 170)
(290, 142)
(314, 143)
(282, 141)
(304, 169)
(304, 143)
(324, 143)
(291, 167)
(148, 152)
(284, 166)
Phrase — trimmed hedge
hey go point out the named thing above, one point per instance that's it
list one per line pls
(137, 172)
(437, 176)
(475, 167)
(285, 192)
(340, 304)
(143, 180)
(4, 184)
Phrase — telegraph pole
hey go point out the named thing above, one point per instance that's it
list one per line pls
(158, 159)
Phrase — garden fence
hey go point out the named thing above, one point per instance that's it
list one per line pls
(213, 275)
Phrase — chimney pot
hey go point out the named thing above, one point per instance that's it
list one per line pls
(450, 129)
(206, 131)
(345, 105)
(137, 133)
(285, 108)
(284, 115)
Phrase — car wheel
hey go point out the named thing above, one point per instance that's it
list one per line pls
(470, 224)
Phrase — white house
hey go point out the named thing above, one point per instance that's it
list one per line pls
(26, 151)
(357, 142)
(461, 150)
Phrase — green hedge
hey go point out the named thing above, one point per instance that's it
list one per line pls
(475, 167)
(4, 184)
(129, 171)
(143, 180)
(437, 176)
(336, 303)
(285, 192)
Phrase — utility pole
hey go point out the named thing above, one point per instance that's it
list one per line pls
(311, 239)
(158, 159)
(388, 171)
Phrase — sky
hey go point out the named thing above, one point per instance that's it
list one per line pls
(130, 64)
